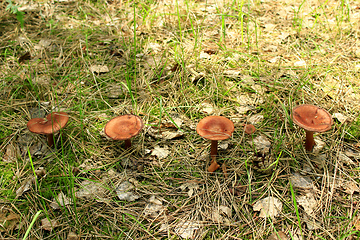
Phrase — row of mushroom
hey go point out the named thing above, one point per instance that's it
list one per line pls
(215, 128)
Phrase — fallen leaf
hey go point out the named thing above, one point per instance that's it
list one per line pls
(243, 109)
(299, 181)
(280, 235)
(350, 187)
(311, 223)
(192, 186)
(256, 119)
(222, 214)
(207, 108)
(300, 63)
(160, 153)
(124, 192)
(268, 207)
(357, 224)
(26, 186)
(8, 220)
(60, 200)
(262, 144)
(308, 202)
(186, 229)
(319, 145)
(345, 159)
(48, 225)
(341, 117)
(232, 73)
(223, 145)
(72, 236)
(161, 134)
(12, 153)
(99, 69)
(91, 189)
(115, 91)
(154, 208)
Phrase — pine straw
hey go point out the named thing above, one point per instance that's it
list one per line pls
(165, 85)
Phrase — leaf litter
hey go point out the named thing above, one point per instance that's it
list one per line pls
(268, 207)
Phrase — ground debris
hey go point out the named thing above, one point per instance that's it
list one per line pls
(99, 69)
(221, 214)
(159, 152)
(91, 189)
(308, 202)
(164, 133)
(255, 119)
(124, 192)
(279, 235)
(60, 200)
(48, 225)
(154, 208)
(300, 181)
(268, 207)
(341, 117)
(8, 220)
(186, 229)
(25, 186)
(12, 153)
(191, 186)
(261, 143)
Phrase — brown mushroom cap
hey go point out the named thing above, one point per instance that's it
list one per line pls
(49, 125)
(215, 128)
(249, 129)
(312, 118)
(123, 127)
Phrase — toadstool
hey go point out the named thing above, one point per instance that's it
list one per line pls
(215, 128)
(249, 129)
(312, 119)
(124, 127)
(49, 125)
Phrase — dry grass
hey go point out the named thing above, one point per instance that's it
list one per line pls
(267, 56)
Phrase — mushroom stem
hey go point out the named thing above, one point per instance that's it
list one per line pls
(309, 142)
(127, 143)
(213, 166)
(214, 147)
(50, 139)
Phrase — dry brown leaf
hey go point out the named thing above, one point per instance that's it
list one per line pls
(159, 152)
(167, 134)
(48, 225)
(26, 186)
(12, 153)
(257, 118)
(99, 69)
(91, 189)
(268, 207)
(61, 200)
(308, 202)
(72, 236)
(192, 186)
(262, 144)
(154, 208)
(300, 181)
(186, 229)
(280, 235)
(124, 192)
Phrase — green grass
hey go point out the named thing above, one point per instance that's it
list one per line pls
(158, 84)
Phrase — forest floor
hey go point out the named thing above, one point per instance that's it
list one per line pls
(173, 63)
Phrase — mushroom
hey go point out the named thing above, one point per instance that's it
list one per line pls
(215, 128)
(249, 129)
(49, 125)
(124, 127)
(312, 119)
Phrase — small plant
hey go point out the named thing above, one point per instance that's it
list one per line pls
(14, 9)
